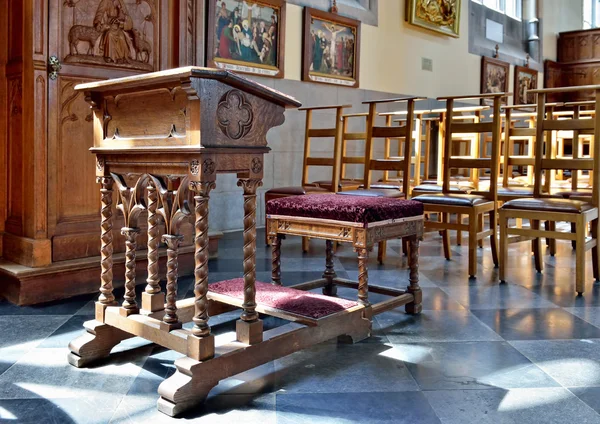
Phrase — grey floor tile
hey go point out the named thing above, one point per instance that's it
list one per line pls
(565, 295)
(434, 326)
(45, 373)
(472, 365)
(573, 363)
(397, 278)
(58, 307)
(342, 408)
(537, 324)
(589, 395)
(499, 296)
(514, 406)
(67, 332)
(335, 368)
(589, 314)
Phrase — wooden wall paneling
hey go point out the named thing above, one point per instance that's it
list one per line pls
(191, 33)
(584, 47)
(3, 115)
(73, 213)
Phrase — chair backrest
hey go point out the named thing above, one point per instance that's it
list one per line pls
(581, 137)
(352, 136)
(335, 133)
(545, 161)
(389, 132)
(477, 163)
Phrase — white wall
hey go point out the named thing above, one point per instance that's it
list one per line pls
(559, 16)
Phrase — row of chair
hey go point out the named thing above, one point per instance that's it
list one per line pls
(475, 170)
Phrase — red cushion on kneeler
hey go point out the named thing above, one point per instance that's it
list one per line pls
(345, 208)
(300, 302)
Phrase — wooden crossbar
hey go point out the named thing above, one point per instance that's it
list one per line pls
(321, 132)
(477, 127)
(355, 136)
(389, 132)
(574, 164)
(310, 161)
(473, 163)
(522, 132)
(568, 124)
(386, 165)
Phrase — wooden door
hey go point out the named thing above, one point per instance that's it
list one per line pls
(93, 39)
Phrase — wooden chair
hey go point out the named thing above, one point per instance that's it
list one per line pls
(473, 206)
(334, 162)
(546, 207)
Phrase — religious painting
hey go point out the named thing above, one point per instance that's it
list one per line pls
(525, 79)
(331, 48)
(115, 33)
(442, 16)
(494, 77)
(247, 36)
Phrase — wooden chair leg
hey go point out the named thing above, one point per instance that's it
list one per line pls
(445, 217)
(493, 238)
(580, 256)
(595, 251)
(473, 226)
(551, 241)
(459, 220)
(381, 252)
(503, 246)
(573, 231)
(330, 288)
(537, 248)
(480, 229)
(305, 244)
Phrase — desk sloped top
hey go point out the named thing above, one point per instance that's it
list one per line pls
(182, 108)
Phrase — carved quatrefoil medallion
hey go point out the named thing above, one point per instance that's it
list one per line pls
(234, 115)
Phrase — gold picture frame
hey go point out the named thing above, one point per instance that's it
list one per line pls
(442, 16)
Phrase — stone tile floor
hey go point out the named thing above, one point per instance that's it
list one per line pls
(528, 351)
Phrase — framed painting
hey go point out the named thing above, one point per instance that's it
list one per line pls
(247, 36)
(441, 16)
(525, 79)
(331, 48)
(494, 77)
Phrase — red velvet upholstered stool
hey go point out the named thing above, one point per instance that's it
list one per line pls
(361, 220)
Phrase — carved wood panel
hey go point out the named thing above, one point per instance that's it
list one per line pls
(115, 33)
(14, 222)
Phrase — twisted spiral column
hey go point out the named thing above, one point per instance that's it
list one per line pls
(173, 242)
(276, 260)
(130, 234)
(249, 185)
(153, 280)
(363, 276)
(106, 240)
(330, 289)
(201, 327)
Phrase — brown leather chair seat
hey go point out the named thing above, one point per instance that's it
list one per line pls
(341, 185)
(548, 205)
(390, 193)
(451, 199)
(435, 188)
(295, 191)
(511, 191)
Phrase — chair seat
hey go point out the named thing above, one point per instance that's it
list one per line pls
(390, 193)
(341, 185)
(357, 209)
(434, 188)
(296, 190)
(511, 191)
(383, 186)
(451, 199)
(548, 205)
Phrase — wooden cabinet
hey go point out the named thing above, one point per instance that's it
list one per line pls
(49, 204)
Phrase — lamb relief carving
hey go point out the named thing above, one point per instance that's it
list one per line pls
(117, 33)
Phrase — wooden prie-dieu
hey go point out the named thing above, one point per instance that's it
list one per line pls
(160, 139)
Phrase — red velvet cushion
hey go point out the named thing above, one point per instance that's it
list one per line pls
(345, 208)
(303, 303)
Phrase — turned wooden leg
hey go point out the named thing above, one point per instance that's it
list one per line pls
(95, 344)
(153, 299)
(381, 252)
(170, 320)
(185, 389)
(249, 328)
(276, 259)
(129, 303)
(330, 288)
(107, 297)
(363, 275)
(202, 341)
(416, 306)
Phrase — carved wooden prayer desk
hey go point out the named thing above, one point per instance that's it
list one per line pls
(161, 139)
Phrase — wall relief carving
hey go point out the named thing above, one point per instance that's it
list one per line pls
(118, 33)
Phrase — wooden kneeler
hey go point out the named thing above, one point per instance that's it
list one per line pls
(163, 158)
